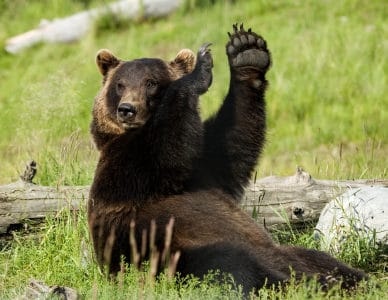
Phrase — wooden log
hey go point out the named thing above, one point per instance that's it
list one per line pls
(297, 199)
(272, 200)
(39, 290)
(22, 200)
(74, 27)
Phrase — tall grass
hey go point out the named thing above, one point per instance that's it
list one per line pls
(327, 111)
(326, 100)
(63, 255)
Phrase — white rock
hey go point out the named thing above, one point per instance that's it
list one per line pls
(361, 210)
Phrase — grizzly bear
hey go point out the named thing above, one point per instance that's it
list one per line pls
(158, 160)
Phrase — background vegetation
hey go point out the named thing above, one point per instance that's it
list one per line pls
(327, 109)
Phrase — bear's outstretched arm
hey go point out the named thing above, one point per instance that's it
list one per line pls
(176, 131)
(234, 137)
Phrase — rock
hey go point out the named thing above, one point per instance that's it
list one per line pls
(362, 211)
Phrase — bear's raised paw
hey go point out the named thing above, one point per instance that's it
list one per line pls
(247, 49)
(203, 69)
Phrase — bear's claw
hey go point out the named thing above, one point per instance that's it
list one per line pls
(204, 49)
(247, 49)
(204, 58)
(202, 74)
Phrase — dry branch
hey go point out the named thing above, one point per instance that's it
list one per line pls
(298, 197)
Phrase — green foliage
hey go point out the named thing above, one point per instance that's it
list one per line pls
(327, 84)
(62, 254)
(193, 4)
(66, 165)
(364, 252)
(359, 249)
(326, 112)
(111, 22)
(289, 234)
(61, 248)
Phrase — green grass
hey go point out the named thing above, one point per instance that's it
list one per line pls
(327, 112)
(62, 254)
(326, 102)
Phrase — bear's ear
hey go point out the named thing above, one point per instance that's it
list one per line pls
(183, 63)
(106, 60)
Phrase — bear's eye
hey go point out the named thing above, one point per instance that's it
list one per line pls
(120, 88)
(151, 84)
(152, 87)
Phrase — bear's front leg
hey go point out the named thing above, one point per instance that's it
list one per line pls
(187, 88)
(235, 136)
(177, 126)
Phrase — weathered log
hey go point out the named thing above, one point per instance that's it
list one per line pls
(39, 290)
(273, 200)
(295, 199)
(22, 200)
(73, 28)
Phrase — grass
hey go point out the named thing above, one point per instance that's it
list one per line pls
(326, 100)
(327, 112)
(62, 254)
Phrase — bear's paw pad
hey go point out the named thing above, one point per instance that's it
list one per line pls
(247, 49)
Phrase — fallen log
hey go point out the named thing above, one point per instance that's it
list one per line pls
(296, 199)
(74, 27)
(39, 290)
(271, 200)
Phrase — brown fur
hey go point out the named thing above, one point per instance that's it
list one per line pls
(103, 121)
(158, 160)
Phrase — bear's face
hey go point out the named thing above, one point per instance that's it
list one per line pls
(132, 90)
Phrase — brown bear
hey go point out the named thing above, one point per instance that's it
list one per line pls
(159, 160)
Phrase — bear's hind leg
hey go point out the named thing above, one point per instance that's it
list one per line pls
(328, 269)
(245, 268)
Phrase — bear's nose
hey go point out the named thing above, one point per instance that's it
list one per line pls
(126, 111)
